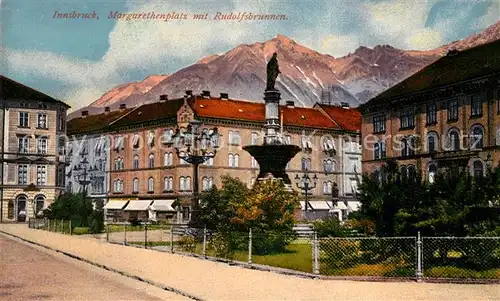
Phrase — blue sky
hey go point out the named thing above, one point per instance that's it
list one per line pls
(78, 60)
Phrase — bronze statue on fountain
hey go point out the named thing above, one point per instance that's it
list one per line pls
(273, 155)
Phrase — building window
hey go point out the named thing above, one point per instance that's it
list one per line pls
(41, 175)
(379, 150)
(412, 173)
(328, 145)
(22, 174)
(412, 145)
(41, 121)
(118, 163)
(151, 161)
(327, 187)
(254, 163)
(379, 124)
(167, 136)
(476, 140)
(118, 186)
(207, 183)
(135, 186)
(234, 138)
(432, 171)
(234, 160)
(328, 165)
(431, 116)
(168, 159)
(119, 143)
(478, 169)
(210, 160)
(405, 149)
(42, 145)
(453, 110)
(476, 106)
(24, 118)
(255, 139)
(184, 183)
(306, 142)
(168, 183)
(151, 139)
(288, 139)
(181, 158)
(407, 119)
(24, 145)
(135, 164)
(306, 164)
(135, 141)
(39, 204)
(62, 123)
(432, 142)
(454, 140)
(403, 172)
(60, 176)
(151, 183)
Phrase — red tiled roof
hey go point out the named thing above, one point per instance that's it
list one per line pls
(252, 111)
(94, 123)
(12, 89)
(150, 112)
(348, 119)
(465, 65)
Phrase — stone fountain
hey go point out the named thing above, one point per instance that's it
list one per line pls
(273, 155)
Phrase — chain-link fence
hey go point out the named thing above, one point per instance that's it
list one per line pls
(458, 258)
(461, 257)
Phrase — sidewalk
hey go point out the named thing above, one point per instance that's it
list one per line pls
(209, 280)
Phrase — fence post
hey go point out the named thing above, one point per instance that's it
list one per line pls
(250, 246)
(145, 236)
(419, 257)
(107, 232)
(315, 253)
(70, 228)
(62, 226)
(205, 241)
(125, 234)
(172, 239)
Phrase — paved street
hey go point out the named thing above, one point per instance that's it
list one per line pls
(32, 273)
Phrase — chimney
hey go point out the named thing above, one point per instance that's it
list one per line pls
(290, 104)
(224, 96)
(164, 97)
(189, 92)
(205, 94)
(123, 106)
(85, 113)
(107, 109)
(344, 105)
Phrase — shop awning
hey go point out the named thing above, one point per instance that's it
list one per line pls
(138, 205)
(340, 206)
(354, 206)
(319, 205)
(115, 205)
(162, 205)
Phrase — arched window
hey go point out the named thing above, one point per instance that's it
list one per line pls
(204, 183)
(168, 183)
(182, 161)
(432, 142)
(404, 172)
(329, 165)
(21, 206)
(151, 161)
(477, 134)
(188, 183)
(478, 169)
(135, 141)
(454, 140)
(168, 159)
(412, 172)
(306, 164)
(135, 185)
(236, 160)
(432, 171)
(39, 204)
(405, 150)
(182, 183)
(136, 162)
(151, 184)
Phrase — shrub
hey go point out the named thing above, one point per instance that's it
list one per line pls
(330, 227)
(81, 230)
(220, 245)
(187, 243)
(269, 242)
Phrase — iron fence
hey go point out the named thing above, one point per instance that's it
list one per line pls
(417, 258)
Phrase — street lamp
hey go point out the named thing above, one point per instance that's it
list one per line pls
(81, 178)
(304, 183)
(197, 146)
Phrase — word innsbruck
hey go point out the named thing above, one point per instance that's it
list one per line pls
(132, 16)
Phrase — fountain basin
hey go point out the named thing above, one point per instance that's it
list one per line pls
(273, 159)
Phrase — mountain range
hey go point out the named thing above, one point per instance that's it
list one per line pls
(307, 76)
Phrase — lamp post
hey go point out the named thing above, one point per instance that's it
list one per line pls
(306, 184)
(197, 146)
(81, 178)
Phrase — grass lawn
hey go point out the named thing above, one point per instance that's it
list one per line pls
(119, 228)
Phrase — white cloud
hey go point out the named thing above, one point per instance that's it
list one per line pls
(491, 16)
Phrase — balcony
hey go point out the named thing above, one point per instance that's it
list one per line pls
(454, 155)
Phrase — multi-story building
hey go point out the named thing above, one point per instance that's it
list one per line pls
(33, 132)
(143, 166)
(88, 153)
(447, 114)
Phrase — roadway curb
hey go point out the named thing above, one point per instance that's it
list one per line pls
(162, 286)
